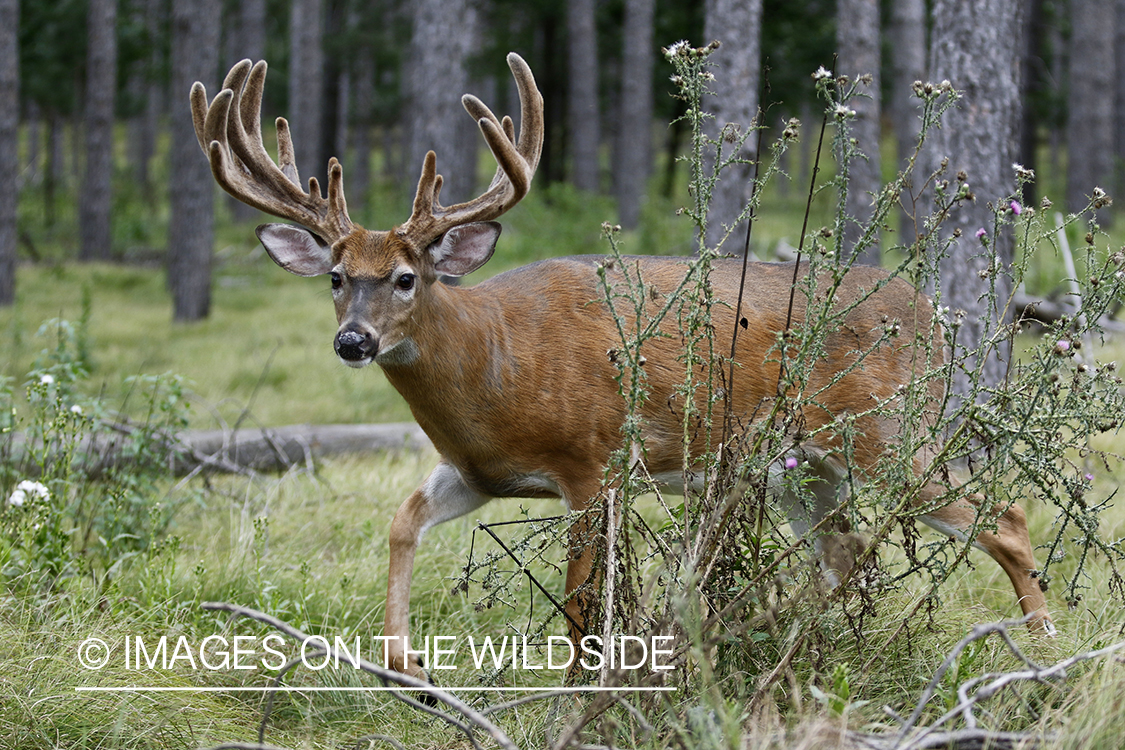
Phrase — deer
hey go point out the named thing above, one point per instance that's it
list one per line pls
(510, 379)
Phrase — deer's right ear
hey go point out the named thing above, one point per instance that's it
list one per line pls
(295, 249)
(465, 248)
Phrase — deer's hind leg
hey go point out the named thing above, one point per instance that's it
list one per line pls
(1009, 545)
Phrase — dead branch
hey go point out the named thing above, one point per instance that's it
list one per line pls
(979, 689)
(472, 717)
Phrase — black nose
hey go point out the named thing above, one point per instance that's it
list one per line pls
(354, 346)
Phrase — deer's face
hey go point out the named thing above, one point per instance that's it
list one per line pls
(380, 283)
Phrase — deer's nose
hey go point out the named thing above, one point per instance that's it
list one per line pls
(353, 346)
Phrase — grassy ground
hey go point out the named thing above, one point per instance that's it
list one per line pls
(311, 549)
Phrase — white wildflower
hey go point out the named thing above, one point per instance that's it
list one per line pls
(821, 73)
(46, 379)
(26, 490)
(76, 410)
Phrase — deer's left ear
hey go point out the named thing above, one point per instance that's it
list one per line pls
(465, 248)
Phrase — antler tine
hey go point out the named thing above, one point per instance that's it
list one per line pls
(286, 154)
(243, 167)
(516, 164)
(424, 195)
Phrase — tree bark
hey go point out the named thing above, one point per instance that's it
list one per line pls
(306, 88)
(857, 44)
(231, 451)
(907, 34)
(977, 47)
(363, 82)
(252, 45)
(195, 57)
(333, 127)
(1119, 98)
(445, 33)
(737, 25)
(634, 134)
(96, 197)
(252, 29)
(584, 113)
(143, 84)
(9, 144)
(1033, 79)
(1089, 129)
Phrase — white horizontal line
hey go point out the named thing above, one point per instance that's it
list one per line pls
(289, 689)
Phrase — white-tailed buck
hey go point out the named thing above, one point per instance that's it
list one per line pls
(510, 378)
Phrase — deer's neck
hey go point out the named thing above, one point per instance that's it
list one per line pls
(463, 361)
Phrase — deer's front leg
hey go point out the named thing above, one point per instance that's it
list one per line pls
(442, 497)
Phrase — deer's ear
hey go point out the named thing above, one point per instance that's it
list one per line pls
(466, 248)
(295, 249)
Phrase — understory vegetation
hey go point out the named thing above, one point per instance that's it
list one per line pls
(764, 655)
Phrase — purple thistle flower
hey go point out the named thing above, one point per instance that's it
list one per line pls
(1017, 209)
(791, 462)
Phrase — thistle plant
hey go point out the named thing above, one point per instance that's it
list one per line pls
(719, 568)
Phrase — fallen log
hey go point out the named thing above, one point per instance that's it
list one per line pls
(240, 451)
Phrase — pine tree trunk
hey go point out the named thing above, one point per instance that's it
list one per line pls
(195, 57)
(634, 124)
(737, 25)
(977, 47)
(332, 126)
(9, 144)
(584, 114)
(96, 196)
(306, 89)
(363, 81)
(1032, 81)
(31, 172)
(1119, 98)
(1089, 128)
(142, 84)
(252, 29)
(857, 44)
(445, 33)
(54, 172)
(251, 45)
(908, 64)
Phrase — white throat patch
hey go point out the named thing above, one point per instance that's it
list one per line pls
(402, 352)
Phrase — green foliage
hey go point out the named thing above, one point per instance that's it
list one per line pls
(70, 510)
(52, 49)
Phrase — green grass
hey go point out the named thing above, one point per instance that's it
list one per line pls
(319, 562)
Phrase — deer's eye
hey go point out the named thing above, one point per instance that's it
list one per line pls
(337, 280)
(405, 282)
